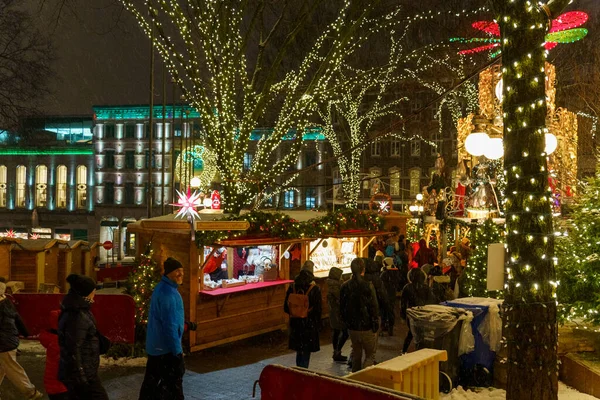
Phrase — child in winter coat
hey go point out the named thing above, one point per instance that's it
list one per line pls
(49, 339)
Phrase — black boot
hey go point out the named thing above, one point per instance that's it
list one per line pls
(338, 357)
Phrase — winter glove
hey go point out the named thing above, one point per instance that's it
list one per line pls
(191, 326)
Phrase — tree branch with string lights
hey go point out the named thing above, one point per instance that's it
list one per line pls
(232, 63)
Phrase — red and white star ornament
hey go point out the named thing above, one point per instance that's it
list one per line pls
(188, 203)
(10, 233)
(34, 236)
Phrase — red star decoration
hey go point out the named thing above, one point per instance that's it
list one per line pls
(296, 253)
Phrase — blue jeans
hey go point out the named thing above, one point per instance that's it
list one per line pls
(302, 358)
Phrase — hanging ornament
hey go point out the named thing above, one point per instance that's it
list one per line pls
(564, 29)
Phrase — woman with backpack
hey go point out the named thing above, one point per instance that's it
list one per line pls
(303, 305)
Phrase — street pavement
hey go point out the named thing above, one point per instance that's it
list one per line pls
(224, 372)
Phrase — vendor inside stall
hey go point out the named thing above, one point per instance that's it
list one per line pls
(246, 264)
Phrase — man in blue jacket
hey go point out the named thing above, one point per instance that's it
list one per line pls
(165, 366)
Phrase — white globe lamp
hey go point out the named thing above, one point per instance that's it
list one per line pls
(207, 203)
(494, 149)
(419, 197)
(195, 182)
(499, 88)
(551, 143)
(476, 143)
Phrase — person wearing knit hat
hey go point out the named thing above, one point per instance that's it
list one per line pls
(12, 326)
(165, 366)
(79, 341)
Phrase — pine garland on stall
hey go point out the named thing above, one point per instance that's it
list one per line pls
(578, 249)
(482, 235)
(141, 283)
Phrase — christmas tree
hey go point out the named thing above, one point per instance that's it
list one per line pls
(481, 236)
(578, 249)
(140, 285)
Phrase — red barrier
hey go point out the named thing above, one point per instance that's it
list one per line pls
(283, 383)
(115, 313)
(113, 274)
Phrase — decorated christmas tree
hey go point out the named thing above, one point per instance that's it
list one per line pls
(578, 253)
(481, 236)
(140, 285)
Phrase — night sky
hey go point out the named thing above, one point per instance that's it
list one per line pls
(103, 58)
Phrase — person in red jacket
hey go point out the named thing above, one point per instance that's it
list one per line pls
(49, 339)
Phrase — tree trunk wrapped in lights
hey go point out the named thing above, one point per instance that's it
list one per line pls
(530, 325)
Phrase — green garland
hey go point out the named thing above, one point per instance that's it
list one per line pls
(282, 226)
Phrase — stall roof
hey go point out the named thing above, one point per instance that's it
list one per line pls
(249, 241)
(37, 245)
(298, 215)
(207, 222)
(7, 240)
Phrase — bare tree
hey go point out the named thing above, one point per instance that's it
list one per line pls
(25, 58)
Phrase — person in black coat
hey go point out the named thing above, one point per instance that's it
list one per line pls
(373, 274)
(11, 326)
(304, 332)
(79, 342)
(416, 293)
(392, 282)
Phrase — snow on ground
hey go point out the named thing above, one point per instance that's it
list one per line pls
(31, 346)
(564, 393)
(123, 362)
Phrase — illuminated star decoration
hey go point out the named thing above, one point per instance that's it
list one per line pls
(34, 236)
(564, 29)
(188, 203)
(10, 233)
(384, 207)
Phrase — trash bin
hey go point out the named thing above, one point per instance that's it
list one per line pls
(477, 366)
(443, 328)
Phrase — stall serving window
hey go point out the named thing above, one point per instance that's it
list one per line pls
(236, 266)
(333, 252)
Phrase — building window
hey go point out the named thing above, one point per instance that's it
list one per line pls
(109, 193)
(148, 158)
(41, 185)
(310, 158)
(376, 149)
(21, 185)
(415, 148)
(109, 131)
(81, 186)
(375, 185)
(247, 161)
(311, 198)
(3, 184)
(415, 181)
(396, 148)
(129, 131)
(61, 186)
(289, 198)
(394, 182)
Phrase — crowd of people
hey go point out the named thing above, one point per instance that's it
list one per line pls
(365, 306)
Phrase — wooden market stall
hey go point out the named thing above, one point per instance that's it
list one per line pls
(35, 263)
(224, 314)
(73, 257)
(5, 244)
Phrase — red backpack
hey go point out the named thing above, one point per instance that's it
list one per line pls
(298, 303)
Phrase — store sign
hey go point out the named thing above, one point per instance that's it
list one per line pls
(41, 233)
